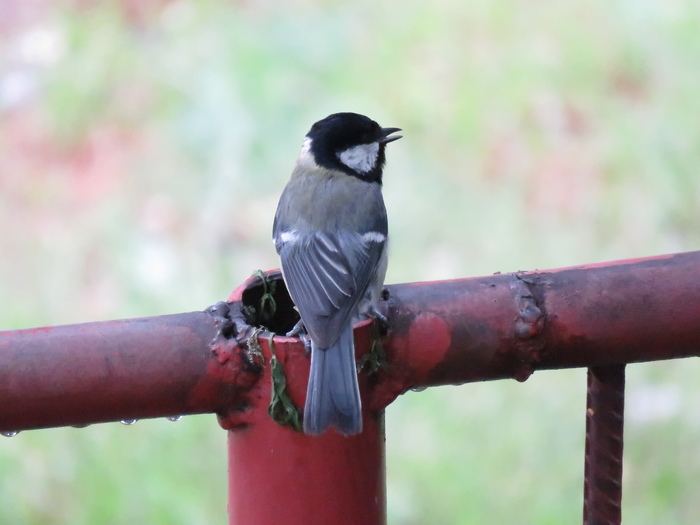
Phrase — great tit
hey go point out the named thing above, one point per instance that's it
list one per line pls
(330, 231)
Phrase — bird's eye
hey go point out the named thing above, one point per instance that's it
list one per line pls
(368, 137)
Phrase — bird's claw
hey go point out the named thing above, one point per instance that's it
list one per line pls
(373, 312)
(300, 331)
(381, 319)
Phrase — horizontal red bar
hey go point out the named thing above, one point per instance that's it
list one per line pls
(448, 332)
(111, 371)
(508, 325)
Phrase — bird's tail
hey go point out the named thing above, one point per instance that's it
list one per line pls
(333, 395)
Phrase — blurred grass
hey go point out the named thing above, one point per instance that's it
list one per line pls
(143, 153)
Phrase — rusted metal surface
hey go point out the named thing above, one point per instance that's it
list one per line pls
(501, 326)
(605, 406)
(109, 371)
(448, 332)
(509, 325)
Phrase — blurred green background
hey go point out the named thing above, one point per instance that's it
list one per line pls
(144, 145)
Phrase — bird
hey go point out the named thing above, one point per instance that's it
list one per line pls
(330, 231)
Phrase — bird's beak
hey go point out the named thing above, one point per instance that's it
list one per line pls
(385, 135)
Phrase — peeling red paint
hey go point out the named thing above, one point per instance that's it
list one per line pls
(428, 331)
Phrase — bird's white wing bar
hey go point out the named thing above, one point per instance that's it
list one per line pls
(374, 237)
(290, 237)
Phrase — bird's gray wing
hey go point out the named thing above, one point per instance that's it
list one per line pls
(327, 274)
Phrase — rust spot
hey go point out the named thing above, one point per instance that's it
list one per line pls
(429, 338)
(529, 324)
(223, 351)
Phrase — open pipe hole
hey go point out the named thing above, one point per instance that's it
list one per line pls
(266, 303)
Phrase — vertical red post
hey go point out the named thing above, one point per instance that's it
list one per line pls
(604, 428)
(277, 475)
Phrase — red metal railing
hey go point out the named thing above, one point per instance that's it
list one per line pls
(450, 332)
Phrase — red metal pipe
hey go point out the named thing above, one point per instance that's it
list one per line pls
(127, 369)
(454, 332)
(278, 475)
(448, 332)
(509, 325)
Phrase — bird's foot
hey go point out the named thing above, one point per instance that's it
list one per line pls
(300, 331)
(373, 312)
(382, 321)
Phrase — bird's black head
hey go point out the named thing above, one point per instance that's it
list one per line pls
(350, 143)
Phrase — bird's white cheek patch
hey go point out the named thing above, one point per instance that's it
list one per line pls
(360, 158)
